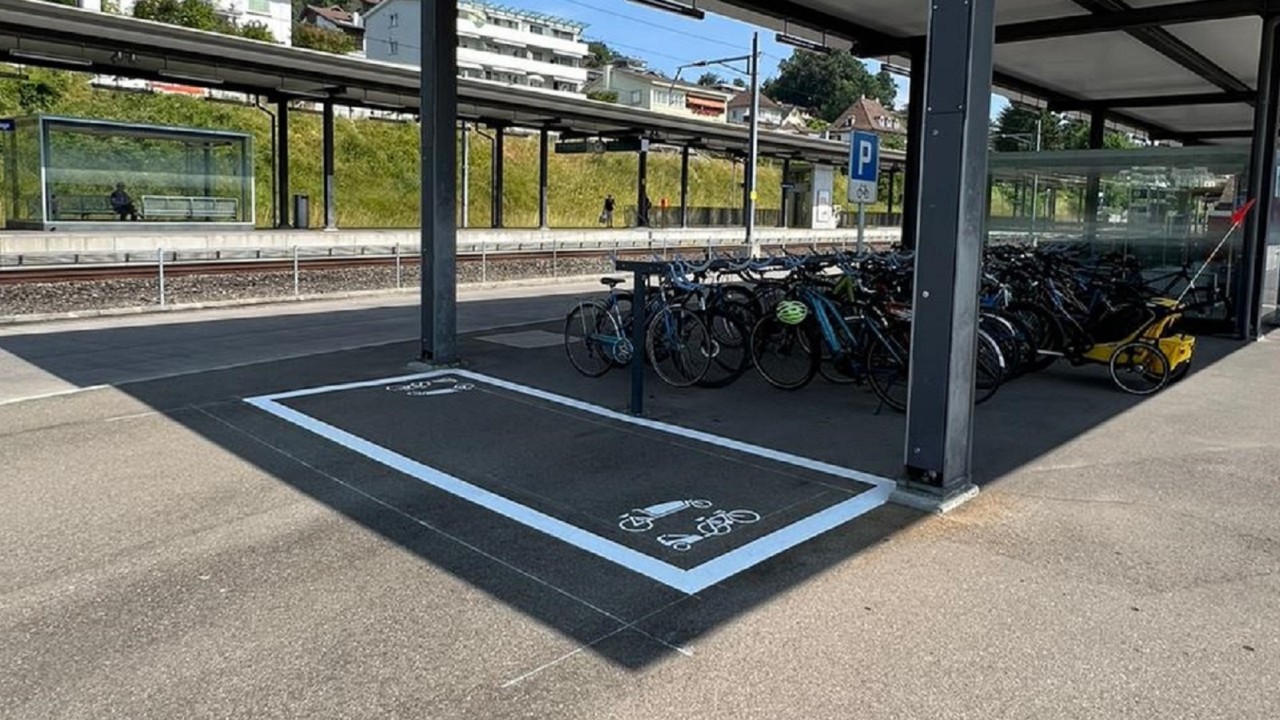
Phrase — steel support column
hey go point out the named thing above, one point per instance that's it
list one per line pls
(893, 176)
(1093, 184)
(1261, 183)
(949, 221)
(282, 162)
(543, 172)
(782, 208)
(330, 201)
(439, 102)
(465, 190)
(911, 175)
(499, 166)
(642, 186)
(684, 187)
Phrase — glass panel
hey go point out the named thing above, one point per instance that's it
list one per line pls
(1168, 207)
(98, 171)
(24, 203)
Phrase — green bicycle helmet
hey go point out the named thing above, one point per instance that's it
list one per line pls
(791, 312)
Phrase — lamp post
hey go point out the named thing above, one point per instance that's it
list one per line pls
(749, 194)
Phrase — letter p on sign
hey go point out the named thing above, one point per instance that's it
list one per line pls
(864, 167)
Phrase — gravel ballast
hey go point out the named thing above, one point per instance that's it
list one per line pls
(95, 295)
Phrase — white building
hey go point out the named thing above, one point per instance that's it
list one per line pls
(507, 45)
(276, 15)
(646, 89)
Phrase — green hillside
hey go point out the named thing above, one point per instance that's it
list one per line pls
(377, 160)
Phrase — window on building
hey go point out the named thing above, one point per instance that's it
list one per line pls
(537, 29)
(393, 47)
(563, 35)
(635, 97)
(537, 55)
(505, 22)
(566, 86)
(259, 7)
(393, 20)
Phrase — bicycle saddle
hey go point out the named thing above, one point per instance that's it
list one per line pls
(611, 282)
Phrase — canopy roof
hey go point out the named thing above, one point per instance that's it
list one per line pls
(1180, 69)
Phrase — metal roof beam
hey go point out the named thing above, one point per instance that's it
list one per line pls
(1154, 101)
(1165, 43)
(1127, 19)
(1205, 135)
(1099, 21)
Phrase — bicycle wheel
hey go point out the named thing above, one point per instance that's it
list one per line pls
(730, 349)
(783, 354)
(887, 370)
(1011, 345)
(678, 346)
(1046, 332)
(591, 336)
(1139, 368)
(990, 369)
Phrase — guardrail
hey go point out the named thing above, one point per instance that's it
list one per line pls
(466, 248)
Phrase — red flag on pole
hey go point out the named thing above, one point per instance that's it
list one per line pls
(1238, 216)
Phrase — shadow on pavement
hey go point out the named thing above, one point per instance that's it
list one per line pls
(577, 594)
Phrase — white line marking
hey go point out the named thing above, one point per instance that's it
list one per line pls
(687, 581)
(423, 523)
(53, 394)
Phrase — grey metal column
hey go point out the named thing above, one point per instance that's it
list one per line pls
(543, 172)
(439, 103)
(1261, 184)
(911, 176)
(949, 216)
(465, 191)
(893, 176)
(330, 201)
(1097, 138)
(282, 162)
(642, 187)
(782, 209)
(751, 168)
(499, 163)
(684, 187)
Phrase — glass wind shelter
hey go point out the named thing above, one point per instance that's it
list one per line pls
(71, 173)
(1167, 207)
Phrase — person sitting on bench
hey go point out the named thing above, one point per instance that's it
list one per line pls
(122, 204)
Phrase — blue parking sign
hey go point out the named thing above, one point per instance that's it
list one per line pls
(864, 167)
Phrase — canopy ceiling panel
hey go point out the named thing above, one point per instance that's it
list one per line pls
(1200, 117)
(1231, 44)
(1099, 66)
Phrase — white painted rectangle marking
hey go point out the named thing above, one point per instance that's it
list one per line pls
(689, 581)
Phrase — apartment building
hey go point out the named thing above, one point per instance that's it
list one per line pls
(502, 44)
(868, 115)
(276, 15)
(638, 87)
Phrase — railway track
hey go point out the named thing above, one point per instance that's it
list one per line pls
(119, 271)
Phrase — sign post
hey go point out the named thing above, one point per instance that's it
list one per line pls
(864, 177)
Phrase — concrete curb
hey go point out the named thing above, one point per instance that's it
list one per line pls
(932, 503)
(247, 302)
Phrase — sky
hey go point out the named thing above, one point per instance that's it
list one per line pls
(666, 41)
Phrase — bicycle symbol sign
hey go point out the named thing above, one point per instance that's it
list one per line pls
(713, 524)
(434, 386)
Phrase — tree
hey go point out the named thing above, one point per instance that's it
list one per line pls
(828, 83)
(710, 79)
(609, 96)
(197, 14)
(257, 31)
(1015, 129)
(323, 39)
(739, 83)
(599, 54)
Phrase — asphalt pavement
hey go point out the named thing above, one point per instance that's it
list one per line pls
(172, 551)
